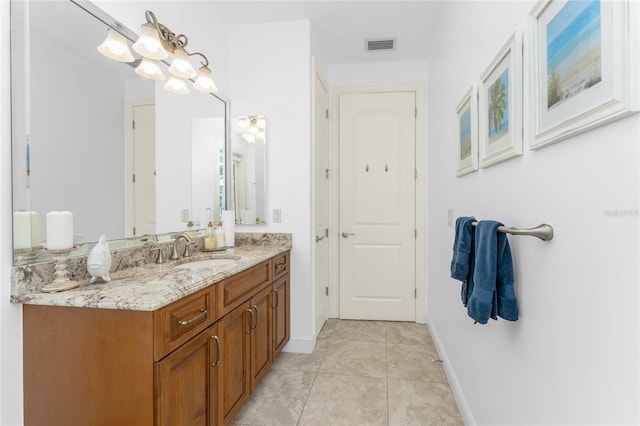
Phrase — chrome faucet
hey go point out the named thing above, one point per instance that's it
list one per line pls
(174, 252)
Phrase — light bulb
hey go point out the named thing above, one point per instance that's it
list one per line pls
(181, 67)
(176, 85)
(150, 68)
(149, 45)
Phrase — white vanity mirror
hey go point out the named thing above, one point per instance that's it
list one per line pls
(248, 159)
(75, 146)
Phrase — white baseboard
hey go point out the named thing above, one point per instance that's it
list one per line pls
(463, 406)
(300, 346)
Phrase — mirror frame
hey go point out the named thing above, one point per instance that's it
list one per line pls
(33, 255)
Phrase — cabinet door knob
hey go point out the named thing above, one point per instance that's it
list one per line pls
(217, 339)
(346, 234)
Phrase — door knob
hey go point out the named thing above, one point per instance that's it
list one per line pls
(346, 234)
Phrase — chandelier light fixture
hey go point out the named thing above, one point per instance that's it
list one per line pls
(157, 43)
(252, 127)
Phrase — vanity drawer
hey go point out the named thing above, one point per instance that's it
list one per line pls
(178, 322)
(238, 288)
(280, 265)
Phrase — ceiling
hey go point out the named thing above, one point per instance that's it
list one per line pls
(344, 25)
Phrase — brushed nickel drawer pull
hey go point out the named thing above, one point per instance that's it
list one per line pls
(202, 313)
(250, 310)
(257, 316)
(217, 339)
(280, 266)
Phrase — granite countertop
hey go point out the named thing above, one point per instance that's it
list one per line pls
(151, 286)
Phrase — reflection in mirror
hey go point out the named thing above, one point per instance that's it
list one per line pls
(248, 142)
(75, 145)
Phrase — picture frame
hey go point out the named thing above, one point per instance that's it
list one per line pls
(467, 132)
(500, 104)
(584, 66)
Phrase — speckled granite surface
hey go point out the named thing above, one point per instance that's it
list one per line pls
(139, 284)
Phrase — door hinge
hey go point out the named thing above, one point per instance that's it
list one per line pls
(134, 230)
(134, 178)
(415, 293)
(326, 232)
(416, 175)
(416, 234)
(416, 112)
(133, 124)
(327, 114)
(326, 173)
(326, 291)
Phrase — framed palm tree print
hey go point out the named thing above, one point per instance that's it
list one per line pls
(585, 66)
(467, 133)
(500, 105)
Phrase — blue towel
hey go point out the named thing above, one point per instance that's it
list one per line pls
(493, 293)
(462, 261)
(462, 248)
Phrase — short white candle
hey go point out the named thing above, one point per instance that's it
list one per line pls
(59, 230)
(26, 232)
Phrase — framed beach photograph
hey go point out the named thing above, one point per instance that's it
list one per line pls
(500, 105)
(584, 67)
(467, 133)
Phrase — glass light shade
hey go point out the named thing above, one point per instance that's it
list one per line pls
(150, 68)
(249, 137)
(204, 82)
(261, 123)
(181, 67)
(176, 85)
(115, 47)
(149, 45)
(243, 123)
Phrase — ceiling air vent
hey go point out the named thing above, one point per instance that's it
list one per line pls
(386, 44)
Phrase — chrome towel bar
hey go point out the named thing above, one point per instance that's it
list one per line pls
(542, 231)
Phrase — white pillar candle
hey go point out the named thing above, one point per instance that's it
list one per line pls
(59, 230)
(26, 230)
(229, 225)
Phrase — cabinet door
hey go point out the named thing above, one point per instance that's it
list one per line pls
(261, 336)
(186, 383)
(281, 324)
(233, 370)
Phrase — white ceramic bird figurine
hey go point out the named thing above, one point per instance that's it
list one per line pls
(99, 261)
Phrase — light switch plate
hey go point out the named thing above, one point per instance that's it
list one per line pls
(277, 215)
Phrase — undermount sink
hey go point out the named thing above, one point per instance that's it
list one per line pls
(209, 263)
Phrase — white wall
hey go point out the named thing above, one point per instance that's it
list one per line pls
(270, 75)
(572, 358)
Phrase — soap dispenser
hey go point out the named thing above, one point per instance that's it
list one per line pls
(219, 233)
(210, 238)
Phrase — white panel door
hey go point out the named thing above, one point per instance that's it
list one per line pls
(377, 206)
(144, 188)
(321, 202)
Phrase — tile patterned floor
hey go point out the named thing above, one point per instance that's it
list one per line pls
(360, 373)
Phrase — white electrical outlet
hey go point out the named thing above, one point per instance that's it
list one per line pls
(184, 215)
(277, 215)
(450, 217)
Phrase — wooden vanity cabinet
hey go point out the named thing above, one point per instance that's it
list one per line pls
(186, 382)
(235, 363)
(193, 362)
(281, 309)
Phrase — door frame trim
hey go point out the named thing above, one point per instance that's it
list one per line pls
(317, 72)
(129, 156)
(334, 193)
